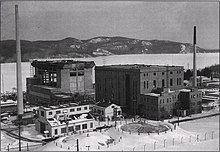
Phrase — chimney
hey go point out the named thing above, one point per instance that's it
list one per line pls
(194, 59)
(18, 65)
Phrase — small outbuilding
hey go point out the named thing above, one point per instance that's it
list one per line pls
(106, 111)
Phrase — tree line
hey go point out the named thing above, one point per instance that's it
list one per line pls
(207, 71)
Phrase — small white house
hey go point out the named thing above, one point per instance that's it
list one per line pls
(106, 111)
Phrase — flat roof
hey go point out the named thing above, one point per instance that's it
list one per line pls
(69, 105)
(185, 90)
(152, 94)
(61, 63)
(135, 66)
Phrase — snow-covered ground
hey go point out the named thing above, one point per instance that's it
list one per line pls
(28, 131)
(201, 134)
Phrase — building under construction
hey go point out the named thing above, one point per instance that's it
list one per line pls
(59, 81)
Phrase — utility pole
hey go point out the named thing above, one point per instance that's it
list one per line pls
(0, 74)
(77, 144)
(19, 76)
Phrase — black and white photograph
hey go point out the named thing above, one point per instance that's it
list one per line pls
(109, 75)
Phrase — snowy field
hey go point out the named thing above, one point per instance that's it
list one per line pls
(200, 135)
(12, 143)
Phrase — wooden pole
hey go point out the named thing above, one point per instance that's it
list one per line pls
(0, 72)
(77, 144)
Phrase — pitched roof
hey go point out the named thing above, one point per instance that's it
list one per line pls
(104, 104)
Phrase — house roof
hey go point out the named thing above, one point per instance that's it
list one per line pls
(104, 104)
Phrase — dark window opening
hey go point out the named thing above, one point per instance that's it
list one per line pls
(154, 83)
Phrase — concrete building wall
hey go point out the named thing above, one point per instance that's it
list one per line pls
(65, 80)
(73, 83)
(88, 78)
(68, 111)
(72, 128)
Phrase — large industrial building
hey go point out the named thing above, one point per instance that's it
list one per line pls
(152, 91)
(125, 84)
(57, 82)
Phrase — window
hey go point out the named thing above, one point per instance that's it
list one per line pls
(167, 100)
(57, 112)
(63, 130)
(84, 126)
(147, 84)
(72, 110)
(162, 73)
(70, 128)
(144, 74)
(55, 131)
(171, 72)
(163, 84)
(177, 81)
(85, 108)
(171, 82)
(42, 113)
(154, 83)
(154, 73)
(78, 109)
(91, 125)
(77, 127)
(50, 113)
(160, 101)
(144, 84)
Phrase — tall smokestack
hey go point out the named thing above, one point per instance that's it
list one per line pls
(18, 65)
(194, 59)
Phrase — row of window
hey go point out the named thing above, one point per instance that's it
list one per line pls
(171, 72)
(59, 111)
(71, 128)
(194, 96)
(163, 83)
(168, 100)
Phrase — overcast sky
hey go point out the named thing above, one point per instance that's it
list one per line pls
(52, 20)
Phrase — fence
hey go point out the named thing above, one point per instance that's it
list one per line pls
(26, 147)
(168, 142)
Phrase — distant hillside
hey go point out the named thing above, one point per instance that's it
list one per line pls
(98, 46)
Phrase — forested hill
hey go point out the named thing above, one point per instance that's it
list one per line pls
(98, 46)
